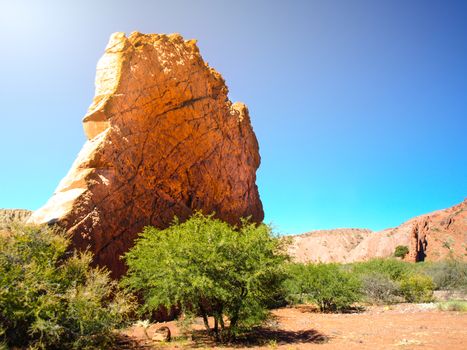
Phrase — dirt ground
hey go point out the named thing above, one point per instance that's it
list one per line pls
(402, 326)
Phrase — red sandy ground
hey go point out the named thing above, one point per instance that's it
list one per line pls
(403, 326)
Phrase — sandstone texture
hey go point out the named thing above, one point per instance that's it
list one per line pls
(163, 140)
(429, 237)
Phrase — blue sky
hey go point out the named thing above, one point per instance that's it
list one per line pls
(360, 107)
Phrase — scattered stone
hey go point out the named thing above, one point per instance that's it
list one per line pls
(162, 334)
(404, 342)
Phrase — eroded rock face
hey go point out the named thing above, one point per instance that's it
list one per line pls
(163, 140)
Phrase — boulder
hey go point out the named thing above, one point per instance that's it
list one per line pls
(163, 140)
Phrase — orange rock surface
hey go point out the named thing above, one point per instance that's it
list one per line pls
(163, 140)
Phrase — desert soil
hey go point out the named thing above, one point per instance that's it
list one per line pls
(402, 326)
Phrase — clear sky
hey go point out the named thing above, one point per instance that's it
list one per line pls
(360, 107)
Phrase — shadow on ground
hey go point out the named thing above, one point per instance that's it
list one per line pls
(314, 309)
(264, 336)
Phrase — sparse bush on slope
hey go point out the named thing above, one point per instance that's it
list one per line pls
(51, 298)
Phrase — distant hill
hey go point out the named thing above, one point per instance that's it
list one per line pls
(429, 237)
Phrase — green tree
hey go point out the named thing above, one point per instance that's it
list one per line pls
(326, 285)
(401, 251)
(207, 267)
(50, 297)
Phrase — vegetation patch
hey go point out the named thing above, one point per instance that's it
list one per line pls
(50, 297)
(378, 288)
(417, 288)
(326, 285)
(450, 274)
(394, 269)
(453, 305)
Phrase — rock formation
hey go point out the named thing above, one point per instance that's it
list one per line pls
(163, 140)
(430, 237)
(419, 243)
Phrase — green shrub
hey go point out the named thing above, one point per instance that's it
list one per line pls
(401, 251)
(380, 289)
(51, 298)
(395, 269)
(324, 284)
(206, 266)
(453, 305)
(294, 284)
(447, 275)
(417, 288)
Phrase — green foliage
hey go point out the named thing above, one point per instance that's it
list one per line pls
(327, 285)
(417, 288)
(379, 288)
(401, 251)
(385, 281)
(51, 298)
(450, 274)
(205, 266)
(395, 269)
(294, 284)
(453, 305)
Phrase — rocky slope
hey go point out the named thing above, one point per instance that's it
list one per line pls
(163, 140)
(8, 216)
(429, 237)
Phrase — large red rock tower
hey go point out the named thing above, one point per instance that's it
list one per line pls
(163, 140)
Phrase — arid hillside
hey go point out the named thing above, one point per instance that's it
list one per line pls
(8, 216)
(429, 237)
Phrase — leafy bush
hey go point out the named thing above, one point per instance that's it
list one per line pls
(380, 289)
(417, 288)
(395, 269)
(324, 284)
(447, 275)
(294, 284)
(205, 266)
(51, 298)
(401, 251)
